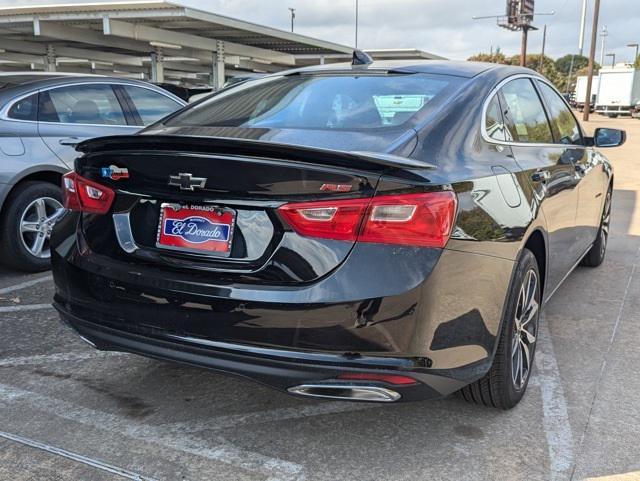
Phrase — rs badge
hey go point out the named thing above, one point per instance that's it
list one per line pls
(114, 173)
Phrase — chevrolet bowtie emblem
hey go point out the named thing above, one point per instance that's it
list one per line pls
(186, 181)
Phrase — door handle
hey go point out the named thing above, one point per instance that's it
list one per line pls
(541, 176)
(70, 141)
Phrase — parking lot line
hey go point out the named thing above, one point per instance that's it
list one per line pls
(125, 473)
(605, 358)
(26, 307)
(23, 285)
(214, 448)
(57, 357)
(554, 407)
(272, 415)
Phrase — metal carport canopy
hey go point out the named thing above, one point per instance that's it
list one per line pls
(134, 37)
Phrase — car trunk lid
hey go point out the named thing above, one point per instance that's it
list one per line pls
(243, 182)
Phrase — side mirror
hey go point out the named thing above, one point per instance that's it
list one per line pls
(605, 137)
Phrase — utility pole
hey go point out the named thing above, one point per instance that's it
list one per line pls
(356, 23)
(518, 17)
(544, 42)
(604, 34)
(523, 46)
(583, 24)
(293, 16)
(592, 54)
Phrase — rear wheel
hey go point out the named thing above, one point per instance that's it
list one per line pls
(506, 381)
(27, 220)
(596, 254)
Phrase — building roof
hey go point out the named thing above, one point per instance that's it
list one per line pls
(124, 34)
(402, 53)
(376, 54)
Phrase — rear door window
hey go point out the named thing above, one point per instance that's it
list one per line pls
(561, 118)
(25, 109)
(494, 123)
(151, 105)
(527, 120)
(81, 104)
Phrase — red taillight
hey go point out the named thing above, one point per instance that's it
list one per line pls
(339, 220)
(85, 195)
(423, 219)
(388, 378)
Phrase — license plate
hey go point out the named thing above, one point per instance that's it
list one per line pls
(199, 229)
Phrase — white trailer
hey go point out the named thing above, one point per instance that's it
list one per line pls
(581, 91)
(618, 91)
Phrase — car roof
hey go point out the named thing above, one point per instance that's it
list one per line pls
(20, 78)
(447, 67)
(17, 83)
(441, 67)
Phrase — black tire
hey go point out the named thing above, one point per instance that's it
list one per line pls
(504, 384)
(595, 255)
(14, 252)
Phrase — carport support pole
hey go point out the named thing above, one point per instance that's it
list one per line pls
(592, 55)
(50, 59)
(157, 66)
(217, 71)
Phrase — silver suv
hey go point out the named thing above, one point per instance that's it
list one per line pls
(43, 116)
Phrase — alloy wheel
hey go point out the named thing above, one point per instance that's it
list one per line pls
(604, 225)
(525, 330)
(36, 224)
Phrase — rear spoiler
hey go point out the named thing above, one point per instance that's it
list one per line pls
(371, 161)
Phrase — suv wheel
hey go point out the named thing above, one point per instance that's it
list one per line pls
(506, 381)
(28, 217)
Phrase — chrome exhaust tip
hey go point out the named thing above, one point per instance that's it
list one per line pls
(350, 392)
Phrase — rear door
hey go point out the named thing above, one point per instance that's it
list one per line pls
(147, 105)
(550, 171)
(70, 114)
(588, 173)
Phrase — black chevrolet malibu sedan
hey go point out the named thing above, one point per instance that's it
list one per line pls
(369, 231)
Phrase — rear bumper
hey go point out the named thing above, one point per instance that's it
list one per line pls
(428, 313)
(279, 369)
(614, 109)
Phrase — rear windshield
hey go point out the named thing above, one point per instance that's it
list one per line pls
(323, 102)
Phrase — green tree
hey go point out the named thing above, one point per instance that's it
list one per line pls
(563, 64)
(497, 57)
(557, 71)
(549, 68)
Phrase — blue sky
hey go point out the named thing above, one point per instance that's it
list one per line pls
(444, 27)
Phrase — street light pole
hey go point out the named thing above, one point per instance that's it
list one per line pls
(356, 23)
(613, 58)
(293, 16)
(544, 42)
(604, 36)
(583, 22)
(592, 55)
